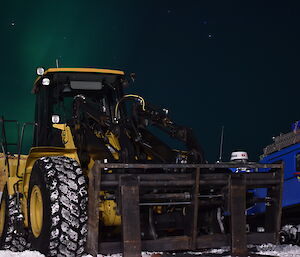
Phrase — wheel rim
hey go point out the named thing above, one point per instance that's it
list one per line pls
(36, 211)
(2, 216)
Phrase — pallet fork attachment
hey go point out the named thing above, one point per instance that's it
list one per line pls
(236, 185)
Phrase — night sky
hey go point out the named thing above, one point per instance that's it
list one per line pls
(211, 63)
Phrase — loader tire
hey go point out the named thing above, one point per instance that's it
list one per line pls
(58, 207)
(10, 239)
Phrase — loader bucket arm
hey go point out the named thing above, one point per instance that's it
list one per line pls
(159, 118)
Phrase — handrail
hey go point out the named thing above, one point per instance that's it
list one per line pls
(3, 121)
(20, 144)
(6, 158)
(4, 144)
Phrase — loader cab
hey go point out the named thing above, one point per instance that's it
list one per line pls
(59, 93)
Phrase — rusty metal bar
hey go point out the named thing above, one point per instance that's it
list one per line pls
(181, 243)
(251, 180)
(168, 183)
(195, 209)
(188, 166)
(165, 203)
(212, 241)
(130, 211)
(129, 203)
(260, 238)
(172, 196)
(93, 209)
(174, 243)
(274, 208)
(237, 191)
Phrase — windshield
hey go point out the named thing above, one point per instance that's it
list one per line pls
(93, 104)
(98, 92)
(72, 96)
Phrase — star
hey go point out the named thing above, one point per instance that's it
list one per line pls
(13, 23)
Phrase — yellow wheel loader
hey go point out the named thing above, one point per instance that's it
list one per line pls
(84, 120)
(80, 117)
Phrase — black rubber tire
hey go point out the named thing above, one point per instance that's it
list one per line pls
(64, 194)
(284, 237)
(10, 239)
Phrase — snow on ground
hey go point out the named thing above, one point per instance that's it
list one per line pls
(20, 254)
(37, 254)
(279, 250)
(267, 249)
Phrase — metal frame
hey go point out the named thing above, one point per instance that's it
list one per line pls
(4, 143)
(236, 184)
(282, 141)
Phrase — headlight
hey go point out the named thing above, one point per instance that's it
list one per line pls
(46, 81)
(55, 119)
(40, 71)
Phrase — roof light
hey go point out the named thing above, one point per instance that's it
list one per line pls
(55, 119)
(46, 81)
(40, 71)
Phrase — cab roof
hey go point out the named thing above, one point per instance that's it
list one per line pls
(83, 70)
(92, 70)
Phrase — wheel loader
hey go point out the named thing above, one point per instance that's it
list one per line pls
(101, 176)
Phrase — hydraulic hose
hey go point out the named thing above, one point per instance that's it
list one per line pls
(141, 99)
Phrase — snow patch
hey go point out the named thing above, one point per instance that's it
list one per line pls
(20, 254)
(279, 250)
(37, 254)
(265, 249)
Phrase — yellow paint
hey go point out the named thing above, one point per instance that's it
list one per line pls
(92, 70)
(11, 183)
(108, 213)
(35, 154)
(86, 70)
(13, 180)
(66, 135)
(107, 207)
(3, 174)
(157, 209)
(2, 216)
(113, 140)
(36, 211)
(12, 160)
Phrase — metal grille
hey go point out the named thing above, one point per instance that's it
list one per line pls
(282, 141)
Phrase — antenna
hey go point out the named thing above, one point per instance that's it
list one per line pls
(56, 63)
(221, 145)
